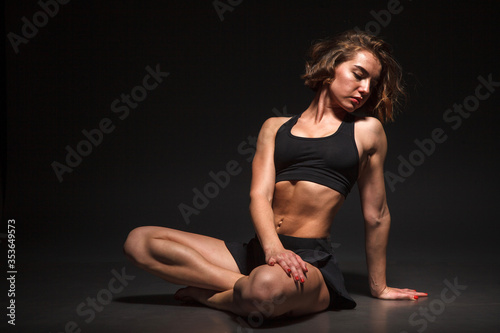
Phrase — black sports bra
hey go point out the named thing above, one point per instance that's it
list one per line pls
(332, 161)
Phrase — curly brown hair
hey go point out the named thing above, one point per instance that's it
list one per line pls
(326, 55)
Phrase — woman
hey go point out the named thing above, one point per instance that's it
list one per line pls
(303, 170)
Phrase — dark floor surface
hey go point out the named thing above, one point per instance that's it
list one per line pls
(59, 297)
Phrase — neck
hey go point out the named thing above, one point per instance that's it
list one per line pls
(322, 106)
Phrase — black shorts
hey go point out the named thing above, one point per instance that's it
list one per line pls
(315, 251)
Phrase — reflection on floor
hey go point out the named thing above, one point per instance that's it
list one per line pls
(117, 297)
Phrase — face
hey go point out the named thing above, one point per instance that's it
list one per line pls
(354, 81)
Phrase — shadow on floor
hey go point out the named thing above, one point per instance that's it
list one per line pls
(164, 299)
(356, 283)
(255, 320)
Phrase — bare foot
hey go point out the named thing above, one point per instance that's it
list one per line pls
(194, 294)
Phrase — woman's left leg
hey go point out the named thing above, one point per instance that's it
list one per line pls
(268, 290)
(183, 258)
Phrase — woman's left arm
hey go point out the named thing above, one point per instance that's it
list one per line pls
(377, 217)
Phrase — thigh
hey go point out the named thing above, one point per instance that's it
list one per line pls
(212, 249)
(296, 298)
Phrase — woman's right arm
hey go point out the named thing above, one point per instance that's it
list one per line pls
(261, 198)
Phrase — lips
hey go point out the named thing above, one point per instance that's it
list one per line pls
(356, 100)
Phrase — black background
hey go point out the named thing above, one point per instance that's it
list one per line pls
(226, 77)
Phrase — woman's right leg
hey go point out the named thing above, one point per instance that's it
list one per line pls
(183, 258)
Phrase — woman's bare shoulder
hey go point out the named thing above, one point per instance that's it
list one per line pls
(370, 124)
(370, 133)
(271, 125)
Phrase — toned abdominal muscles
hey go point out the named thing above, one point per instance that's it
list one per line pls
(305, 209)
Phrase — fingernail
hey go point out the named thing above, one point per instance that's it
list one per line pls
(296, 278)
(426, 294)
(415, 297)
(289, 270)
(302, 280)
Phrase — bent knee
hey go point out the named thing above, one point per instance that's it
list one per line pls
(266, 283)
(262, 291)
(270, 291)
(135, 246)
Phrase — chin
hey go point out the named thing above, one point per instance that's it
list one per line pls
(350, 108)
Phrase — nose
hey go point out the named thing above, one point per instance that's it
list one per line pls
(364, 88)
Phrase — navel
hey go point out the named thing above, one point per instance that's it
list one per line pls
(279, 224)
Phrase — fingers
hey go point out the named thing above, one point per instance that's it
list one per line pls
(298, 268)
(293, 269)
(395, 293)
(421, 294)
(303, 264)
(413, 294)
(293, 265)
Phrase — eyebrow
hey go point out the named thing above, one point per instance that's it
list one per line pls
(365, 72)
